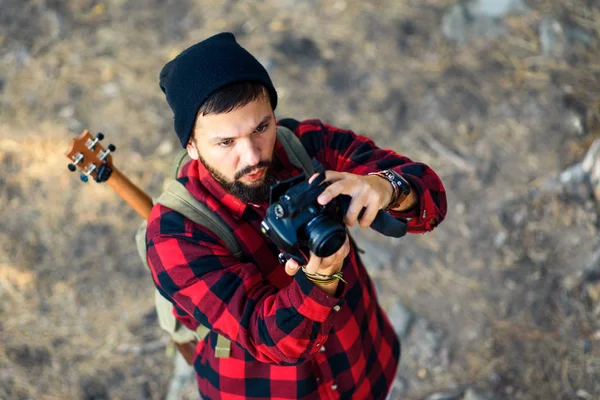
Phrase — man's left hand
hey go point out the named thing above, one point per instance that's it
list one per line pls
(370, 192)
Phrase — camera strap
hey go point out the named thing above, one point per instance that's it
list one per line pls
(295, 150)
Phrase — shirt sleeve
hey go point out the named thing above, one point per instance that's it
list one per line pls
(205, 281)
(344, 151)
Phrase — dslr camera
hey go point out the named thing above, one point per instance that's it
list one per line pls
(297, 223)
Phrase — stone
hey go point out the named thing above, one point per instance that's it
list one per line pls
(111, 90)
(472, 394)
(300, 50)
(444, 396)
(553, 39)
(496, 8)
(402, 318)
(478, 19)
(183, 382)
(425, 341)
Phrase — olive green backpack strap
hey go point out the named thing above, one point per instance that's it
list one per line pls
(177, 198)
(181, 158)
(295, 150)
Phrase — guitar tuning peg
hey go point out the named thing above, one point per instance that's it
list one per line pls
(71, 167)
(83, 177)
(100, 136)
(112, 147)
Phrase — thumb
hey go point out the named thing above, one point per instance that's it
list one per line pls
(291, 267)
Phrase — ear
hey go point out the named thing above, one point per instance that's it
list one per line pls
(192, 150)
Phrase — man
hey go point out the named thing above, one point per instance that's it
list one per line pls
(315, 332)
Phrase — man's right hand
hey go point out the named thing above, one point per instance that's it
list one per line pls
(325, 266)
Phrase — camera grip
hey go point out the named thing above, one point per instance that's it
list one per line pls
(298, 257)
(383, 223)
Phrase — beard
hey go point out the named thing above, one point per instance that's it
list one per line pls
(257, 192)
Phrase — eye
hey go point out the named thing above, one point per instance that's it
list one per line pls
(262, 128)
(225, 143)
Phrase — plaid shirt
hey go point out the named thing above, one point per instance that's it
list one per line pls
(290, 340)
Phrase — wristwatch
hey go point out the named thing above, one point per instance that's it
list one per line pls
(399, 184)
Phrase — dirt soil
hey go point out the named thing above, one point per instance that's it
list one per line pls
(509, 283)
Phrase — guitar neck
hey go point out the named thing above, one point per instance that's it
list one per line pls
(134, 196)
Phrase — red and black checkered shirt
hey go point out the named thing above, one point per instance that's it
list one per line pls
(290, 340)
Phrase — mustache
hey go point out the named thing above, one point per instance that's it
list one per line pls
(250, 169)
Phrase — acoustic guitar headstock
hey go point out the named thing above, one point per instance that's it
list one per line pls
(87, 153)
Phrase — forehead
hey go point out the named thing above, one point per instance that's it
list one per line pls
(237, 122)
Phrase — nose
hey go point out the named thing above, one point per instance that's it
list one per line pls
(250, 154)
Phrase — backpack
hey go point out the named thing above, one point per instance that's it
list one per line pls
(177, 198)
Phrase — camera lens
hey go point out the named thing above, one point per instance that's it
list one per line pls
(325, 236)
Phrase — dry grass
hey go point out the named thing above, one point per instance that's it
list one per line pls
(72, 288)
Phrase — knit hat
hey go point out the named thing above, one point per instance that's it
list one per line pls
(202, 69)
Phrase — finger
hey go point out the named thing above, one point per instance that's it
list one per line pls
(346, 248)
(343, 251)
(337, 257)
(356, 205)
(369, 214)
(334, 190)
(334, 176)
(291, 267)
(312, 178)
(314, 263)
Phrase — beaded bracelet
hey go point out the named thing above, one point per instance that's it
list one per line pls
(323, 279)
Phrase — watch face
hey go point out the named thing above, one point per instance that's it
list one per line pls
(401, 181)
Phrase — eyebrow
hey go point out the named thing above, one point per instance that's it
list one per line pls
(220, 139)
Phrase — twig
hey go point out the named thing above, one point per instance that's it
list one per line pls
(144, 348)
(450, 155)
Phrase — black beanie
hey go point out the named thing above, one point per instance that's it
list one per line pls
(202, 69)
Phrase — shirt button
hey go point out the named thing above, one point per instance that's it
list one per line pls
(336, 308)
(334, 386)
(322, 349)
(318, 344)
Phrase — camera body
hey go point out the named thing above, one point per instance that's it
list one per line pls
(297, 223)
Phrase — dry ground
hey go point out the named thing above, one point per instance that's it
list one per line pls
(504, 278)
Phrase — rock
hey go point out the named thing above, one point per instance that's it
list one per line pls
(183, 382)
(92, 388)
(444, 396)
(478, 19)
(500, 239)
(111, 90)
(29, 356)
(67, 111)
(401, 318)
(299, 50)
(399, 387)
(425, 341)
(587, 346)
(553, 39)
(472, 394)
(574, 120)
(75, 125)
(496, 8)
(455, 24)
(582, 394)
(164, 148)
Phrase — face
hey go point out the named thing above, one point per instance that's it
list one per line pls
(237, 149)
